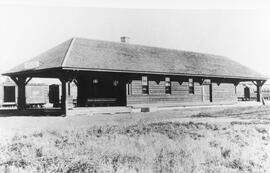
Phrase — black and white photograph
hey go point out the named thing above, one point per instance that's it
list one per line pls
(134, 86)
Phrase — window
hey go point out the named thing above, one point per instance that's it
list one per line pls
(168, 85)
(145, 88)
(190, 86)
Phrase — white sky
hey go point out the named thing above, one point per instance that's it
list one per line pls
(238, 30)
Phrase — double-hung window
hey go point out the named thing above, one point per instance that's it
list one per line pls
(190, 86)
(168, 89)
(145, 86)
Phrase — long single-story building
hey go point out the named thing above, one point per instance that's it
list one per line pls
(122, 74)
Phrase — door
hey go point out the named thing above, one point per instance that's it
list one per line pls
(9, 93)
(246, 93)
(54, 95)
(206, 93)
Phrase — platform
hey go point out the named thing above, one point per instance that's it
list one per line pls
(12, 111)
(7, 112)
(99, 110)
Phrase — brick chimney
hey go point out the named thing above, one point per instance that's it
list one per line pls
(124, 39)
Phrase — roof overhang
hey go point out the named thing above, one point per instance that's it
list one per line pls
(46, 73)
(165, 73)
(56, 73)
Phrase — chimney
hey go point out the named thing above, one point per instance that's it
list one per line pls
(124, 39)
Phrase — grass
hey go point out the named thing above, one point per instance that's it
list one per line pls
(188, 141)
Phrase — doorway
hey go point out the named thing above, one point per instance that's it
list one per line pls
(246, 93)
(207, 93)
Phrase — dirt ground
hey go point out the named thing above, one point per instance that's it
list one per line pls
(218, 139)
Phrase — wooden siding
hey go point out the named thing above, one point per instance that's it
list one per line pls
(157, 93)
(225, 92)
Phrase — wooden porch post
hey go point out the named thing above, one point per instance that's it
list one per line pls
(259, 85)
(259, 88)
(79, 98)
(68, 89)
(21, 83)
(21, 96)
(63, 95)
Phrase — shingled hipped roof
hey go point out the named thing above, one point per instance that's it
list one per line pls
(96, 55)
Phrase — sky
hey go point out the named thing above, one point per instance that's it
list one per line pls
(239, 32)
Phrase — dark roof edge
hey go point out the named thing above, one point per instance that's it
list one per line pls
(29, 71)
(132, 71)
(164, 73)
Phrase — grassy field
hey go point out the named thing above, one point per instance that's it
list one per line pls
(221, 139)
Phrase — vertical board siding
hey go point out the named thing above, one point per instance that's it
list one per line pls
(179, 93)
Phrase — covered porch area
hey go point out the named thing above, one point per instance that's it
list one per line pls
(94, 89)
(100, 89)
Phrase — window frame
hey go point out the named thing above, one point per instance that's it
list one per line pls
(191, 88)
(145, 85)
(168, 86)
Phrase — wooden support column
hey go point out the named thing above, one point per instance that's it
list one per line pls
(63, 95)
(21, 97)
(21, 83)
(259, 85)
(79, 93)
(68, 88)
(259, 90)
